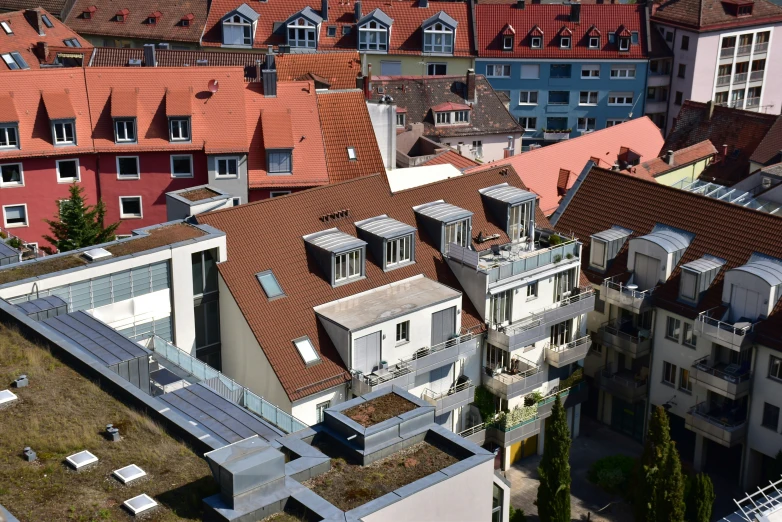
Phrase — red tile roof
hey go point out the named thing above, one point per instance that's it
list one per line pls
(693, 153)
(26, 37)
(709, 15)
(137, 23)
(552, 19)
(7, 109)
(450, 157)
(124, 103)
(406, 34)
(309, 157)
(58, 104)
(178, 102)
(540, 168)
(120, 56)
(345, 121)
(340, 69)
(769, 150)
(283, 221)
(277, 131)
(450, 106)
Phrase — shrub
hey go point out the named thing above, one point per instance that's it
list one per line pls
(575, 378)
(557, 258)
(516, 416)
(554, 240)
(516, 515)
(612, 473)
(533, 398)
(15, 242)
(484, 401)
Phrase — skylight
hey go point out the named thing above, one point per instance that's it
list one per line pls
(306, 350)
(270, 285)
(6, 28)
(351, 153)
(48, 23)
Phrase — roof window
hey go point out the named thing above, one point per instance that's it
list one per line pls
(14, 61)
(71, 42)
(352, 154)
(306, 350)
(270, 285)
(6, 27)
(48, 23)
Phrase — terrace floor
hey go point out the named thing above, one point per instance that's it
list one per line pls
(61, 413)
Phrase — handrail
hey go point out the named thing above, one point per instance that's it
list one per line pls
(704, 317)
(636, 294)
(606, 372)
(428, 394)
(711, 370)
(510, 378)
(536, 318)
(562, 393)
(472, 431)
(567, 346)
(701, 411)
(613, 327)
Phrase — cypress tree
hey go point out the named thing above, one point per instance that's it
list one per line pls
(670, 488)
(701, 499)
(648, 473)
(77, 224)
(554, 490)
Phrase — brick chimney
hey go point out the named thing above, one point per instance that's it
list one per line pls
(33, 17)
(471, 86)
(42, 51)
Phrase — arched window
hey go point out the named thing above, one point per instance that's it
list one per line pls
(372, 36)
(301, 33)
(438, 38)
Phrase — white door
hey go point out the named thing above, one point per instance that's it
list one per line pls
(647, 271)
(745, 304)
(366, 353)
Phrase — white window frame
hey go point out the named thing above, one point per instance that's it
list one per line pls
(673, 329)
(402, 333)
(16, 225)
(180, 156)
(247, 28)
(564, 42)
(594, 42)
(320, 409)
(400, 119)
(278, 193)
(507, 43)
(526, 122)
(529, 95)
(6, 27)
(226, 159)
(623, 72)
(461, 117)
(589, 69)
(5, 142)
(532, 291)
(138, 168)
(310, 29)
(122, 214)
(624, 43)
(446, 44)
(592, 98)
(282, 152)
(442, 118)
(620, 99)
(177, 122)
(381, 33)
(399, 251)
(123, 123)
(10, 184)
(669, 373)
(611, 122)
(688, 330)
(351, 270)
(536, 42)
(494, 67)
(459, 231)
(64, 140)
(351, 151)
(68, 180)
(586, 129)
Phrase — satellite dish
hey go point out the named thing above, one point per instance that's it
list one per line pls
(213, 86)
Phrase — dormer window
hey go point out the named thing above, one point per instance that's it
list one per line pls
(597, 254)
(340, 255)
(605, 245)
(624, 43)
(745, 10)
(9, 136)
(238, 26)
(279, 161)
(594, 42)
(391, 242)
(179, 129)
(536, 42)
(507, 43)
(186, 20)
(121, 15)
(347, 266)
(445, 224)
(372, 36)
(443, 118)
(125, 131)
(87, 13)
(301, 33)
(564, 42)
(64, 132)
(438, 38)
(458, 232)
(398, 251)
(154, 17)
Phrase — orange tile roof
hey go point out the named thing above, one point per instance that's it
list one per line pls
(451, 106)
(309, 157)
(345, 121)
(276, 128)
(58, 105)
(178, 103)
(124, 103)
(540, 168)
(450, 157)
(658, 166)
(26, 37)
(338, 68)
(7, 109)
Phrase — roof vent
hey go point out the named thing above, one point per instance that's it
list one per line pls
(112, 433)
(81, 459)
(139, 504)
(129, 473)
(96, 254)
(335, 215)
(134, 62)
(29, 454)
(21, 382)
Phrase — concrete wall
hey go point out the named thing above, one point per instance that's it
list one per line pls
(237, 187)
(688, 172)
(411, 64)
(383, 117)
(465, 497)
(493, 145)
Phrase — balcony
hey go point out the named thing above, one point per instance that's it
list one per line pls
(761, 47)
(514, 259)
(655, 106)
(659, 79)
(626, 338)
(506, 435)
(740, 78)
(722, 425)
(625, 384)
(735, 336)
(520, 378)
(537, 326)
(556, 136)
(576, 394)
(562, 355)
(744, 50)
(753, 103)
(456, 397)
(727, 52)
(723, 80)
(756, 76)
(627, 296)
(395, 375)
(730, 380)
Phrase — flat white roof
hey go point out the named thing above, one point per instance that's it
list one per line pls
(411, 177)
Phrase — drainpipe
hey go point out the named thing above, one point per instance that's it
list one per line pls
(671, 93)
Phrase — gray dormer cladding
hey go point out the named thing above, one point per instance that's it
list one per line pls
(377, 231)
(673, 240)
(500, 198)
(697, 276)
(377, 15)
(328, 244)
(307, 13)
(441, 17)
(614, 239)
(246, 11)
(765, 267)
(435, 216)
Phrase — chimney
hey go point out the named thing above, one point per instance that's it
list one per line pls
(149, 55)
(669, 157)
(423, 3)
(471, 85)
(575, 12)
(521, 4)
(42, 51)
(33, 17)
(324, 10)
(269, 83)
(710, 108)
(270, 61)
(258, 69)
(724, 150)
(510, 151)
(358, 10)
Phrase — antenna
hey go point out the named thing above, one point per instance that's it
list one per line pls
(213, 86)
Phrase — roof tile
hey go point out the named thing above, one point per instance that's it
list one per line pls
(276, 128)
(712, 14)
(124, 103)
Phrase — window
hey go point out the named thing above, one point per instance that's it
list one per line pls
(436, 69)
(6, 27)
(559, 70)
(688, 284)
(347, 266)
(590, 71)
(182, 166)
(620, 98)
(564, 42)
(624, 44)
(204, 269)
(775, 368)
(306, 350)
(594, 42)
(498, 70)
(398, 251)
(530, 71)
(457, 233)
(331, 31)
(586, 124)
(682, 70)
(622, 72)
(634, 38)
(15, 216)
(559, 97)
(372, 36)
(14, 61)
(271, 287)
(278, 193)
(669, 36)
(507, 42)
(685, 44)
(237, 30)
(528, 97)
(600, 307)
(11, 175)
(536, 42)
(685, 384)
(672, 328)
(669, 373)
(403, 332)
(48, 23)
(130, 207)
(351, 153)
(443, 118)
(612, 122)
(532, 291)
(678, 99)
(529, 123)
(461, 117)
(128, 167)
(597, 254)
(556, 125)
(500, 307)
(690, 339)
(320, 409)
(180, 129)
(438, 38)
(124, 131)
(227, 168)
(279, 162)
(400, 119)
(71, 42)
(301, 33)
(588, 98)
(346, 30)
(64, 133)
(67, 171)
(9, 136)
(477, 148)
(744, 10)
(770, 416)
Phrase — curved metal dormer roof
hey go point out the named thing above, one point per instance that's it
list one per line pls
(334, 240)
(669, 239)
(508, 194)
(385, 227)
(615, 233)
(765, 267)
(442, 211)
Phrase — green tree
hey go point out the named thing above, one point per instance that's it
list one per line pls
(649, 469)
(517, 515)
(701, 499)
(554, 491)
(670, 490)
(77, 224)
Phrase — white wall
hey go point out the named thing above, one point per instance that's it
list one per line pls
(306, 409)
(764, 389)
(493, 145)
(383, 117)
(136, 310)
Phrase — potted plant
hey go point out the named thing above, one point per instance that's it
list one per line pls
(383, 365)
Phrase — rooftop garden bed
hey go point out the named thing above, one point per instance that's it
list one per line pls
(379, 409)
(199, 194)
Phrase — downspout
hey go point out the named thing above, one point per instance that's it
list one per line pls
(92, 138)
(668, 122)
(474, 25)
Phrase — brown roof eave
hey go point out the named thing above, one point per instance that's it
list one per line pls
(720, 26)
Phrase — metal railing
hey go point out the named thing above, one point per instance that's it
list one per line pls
(537, 318)
(753, 102)
(744, 50)
(423, 352)
(619, 287)
(551, 397)
(397, 370)
(429, 396)
(606, 372)
(472, 431)
(716, 417)
(498, 424)
(705, 318)
(761, 47)
(727, 52)
(223, 385)
(614, 328)
(755, 76)
(510, 378)
(523, 260)
(704, 365)
(561, 348)
(740, 78)
(723, 80)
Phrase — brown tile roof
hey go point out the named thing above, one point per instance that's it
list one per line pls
(53, 6)
(709, 15)
(345, 121)
(26, 37)
(119, 57)
(721, 229)
(741, 131)
(283, 221)
(450, 157)
(693, 153)
(419, 95)
(137, 24)
(769, 150)
(340, 69)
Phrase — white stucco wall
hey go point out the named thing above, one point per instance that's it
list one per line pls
(493, 145)
(764, 389)
(306, 409)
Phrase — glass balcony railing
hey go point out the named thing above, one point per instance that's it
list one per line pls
(723, 80)
(761, 47)
(756, 76)
(727, 52)
(725, 426)
(739, 78)
(753, 102)
(744, 50)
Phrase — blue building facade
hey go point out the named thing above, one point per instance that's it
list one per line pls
(560, 99)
